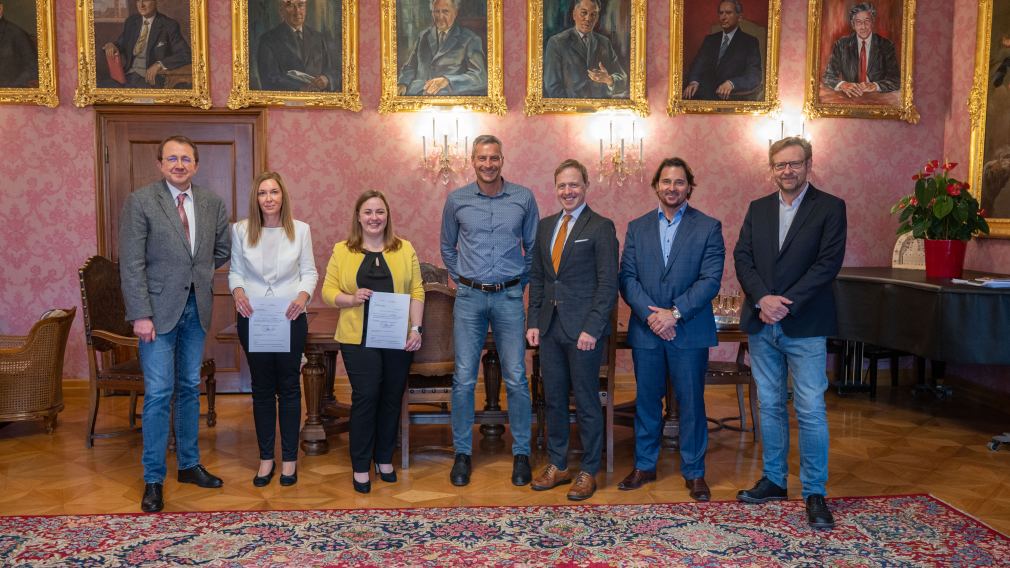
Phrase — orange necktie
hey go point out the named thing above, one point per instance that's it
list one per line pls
(862, 61)
(559, 243)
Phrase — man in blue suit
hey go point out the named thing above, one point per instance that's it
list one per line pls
(447, 60)
(728, 64)
(671, 270)
(791, 247)
(580, 63)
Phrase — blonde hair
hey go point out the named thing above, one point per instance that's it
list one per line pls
(355, 240)
(255, 222)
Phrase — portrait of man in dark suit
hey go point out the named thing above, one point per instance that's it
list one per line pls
(19, 62)
(581, 62)
(864, 61)
(728, 63)
(446, 59)
(295, 54)
(150, 45)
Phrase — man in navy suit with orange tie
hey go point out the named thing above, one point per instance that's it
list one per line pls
(671, 270)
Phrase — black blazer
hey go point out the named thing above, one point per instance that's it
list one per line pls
(584, 290)
(881, 66)
(741, 64)
(278, 53)
(164, 42)
(802, 271)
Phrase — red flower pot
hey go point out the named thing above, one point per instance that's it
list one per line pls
(945, 259)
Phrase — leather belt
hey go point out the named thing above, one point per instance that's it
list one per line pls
(488, 287)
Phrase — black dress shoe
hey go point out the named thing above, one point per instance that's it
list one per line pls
(362, 486)
(636, 479)
(387, 477)
(198, 475)
(289, 480)
(264, 480)
(460, 474)
(763, 491)
(152, 501)
(521, 474)
(818, 514)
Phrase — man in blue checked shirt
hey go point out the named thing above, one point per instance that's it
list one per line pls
(488, 229)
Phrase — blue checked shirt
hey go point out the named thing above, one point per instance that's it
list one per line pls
(489, 239)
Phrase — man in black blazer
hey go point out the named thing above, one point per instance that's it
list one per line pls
(845, 71)
(732, 71)
(295, 57)
(151, 43)
(791, 247)
(573, 289)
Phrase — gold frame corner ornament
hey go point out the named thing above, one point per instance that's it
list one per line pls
(977, 109)
(493, 102)
(242, 96)
(676, 104)
(536, 103)
(46, 93)
(905, 110)
(88, 93)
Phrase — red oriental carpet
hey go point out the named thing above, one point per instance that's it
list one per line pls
(915, 530)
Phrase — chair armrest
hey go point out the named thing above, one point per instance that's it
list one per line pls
(116, 338)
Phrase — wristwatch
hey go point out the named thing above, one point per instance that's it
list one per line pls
(676, 313)
(418, 329)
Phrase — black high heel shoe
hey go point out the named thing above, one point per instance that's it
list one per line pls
(362, 486)
(387, 477)
(264, 480)
(288, 480)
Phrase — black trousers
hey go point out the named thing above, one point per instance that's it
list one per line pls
(276, 390)
(378, 378)
(567, 369)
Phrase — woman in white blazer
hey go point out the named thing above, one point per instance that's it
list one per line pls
(271, 255)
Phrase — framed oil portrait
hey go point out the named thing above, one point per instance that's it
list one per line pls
(724, 56)
(27, 53)
(859, 59)
(585, 55)
(989, 108)
(295, 53)
(142, 52)
(442, 53)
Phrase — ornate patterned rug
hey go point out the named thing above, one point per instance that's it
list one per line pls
(915, 530)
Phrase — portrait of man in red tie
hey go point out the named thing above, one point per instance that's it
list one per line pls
(864, 61)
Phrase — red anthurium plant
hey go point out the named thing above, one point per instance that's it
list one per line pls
(941, 207)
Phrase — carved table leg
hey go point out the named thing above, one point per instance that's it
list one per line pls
(313, 435)
(492, 390)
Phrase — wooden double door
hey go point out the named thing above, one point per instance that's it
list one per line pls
(232, 152)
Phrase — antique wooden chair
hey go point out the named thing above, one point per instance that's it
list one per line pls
(31, 369)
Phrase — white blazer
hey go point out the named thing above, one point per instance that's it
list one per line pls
(296, 266)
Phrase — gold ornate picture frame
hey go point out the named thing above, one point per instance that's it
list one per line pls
(744, 79)
(31, 32)
(834, 87)
(176, 38)
(989, 109)
(423, 68)
(557, 80)
(267, 68)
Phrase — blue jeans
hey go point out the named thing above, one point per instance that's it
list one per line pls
(772, 355)
(171, 363)
(473, 311)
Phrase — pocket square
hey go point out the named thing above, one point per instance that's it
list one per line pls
(581, 240)
(161, 44)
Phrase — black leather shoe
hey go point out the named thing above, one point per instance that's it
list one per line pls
(264, 480)
(636, 479)
(818, 514)
(763, 491)
(152, 501)
(289, 480)
(387, 477)
(460, 474)
(198, 475)
(362, 486)
(521, 474)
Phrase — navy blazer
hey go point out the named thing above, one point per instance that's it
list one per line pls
(690, 280)
(278, 53)
(741, 64)
(583, 291)
(164, 43)
(567, 61)
(802, 271)
(460, 59)
(881, 66)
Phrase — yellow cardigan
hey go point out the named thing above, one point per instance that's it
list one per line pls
(342, 278)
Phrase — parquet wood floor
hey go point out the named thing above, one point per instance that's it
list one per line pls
(895, 445)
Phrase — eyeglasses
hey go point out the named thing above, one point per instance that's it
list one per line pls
(185, 159)
(781, 166)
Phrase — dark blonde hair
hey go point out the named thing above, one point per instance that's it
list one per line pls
(355, 240)
(808, 150)
(255, 222)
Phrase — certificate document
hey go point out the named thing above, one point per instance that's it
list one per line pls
(269, 328)
(388, 316)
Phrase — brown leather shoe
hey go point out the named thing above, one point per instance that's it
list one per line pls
(550, 478)
(699, 489)
(584, 487)
(636, 479)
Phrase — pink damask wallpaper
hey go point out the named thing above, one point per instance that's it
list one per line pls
(329, 156)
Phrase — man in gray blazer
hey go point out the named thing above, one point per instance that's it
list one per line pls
(447, 60)
(580, 63)
(172, 235)
(573, 289)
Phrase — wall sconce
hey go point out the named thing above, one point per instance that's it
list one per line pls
(618, 161)
(443, 159)
(783, 124)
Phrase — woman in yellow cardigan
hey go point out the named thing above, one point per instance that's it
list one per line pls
(373, 259)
